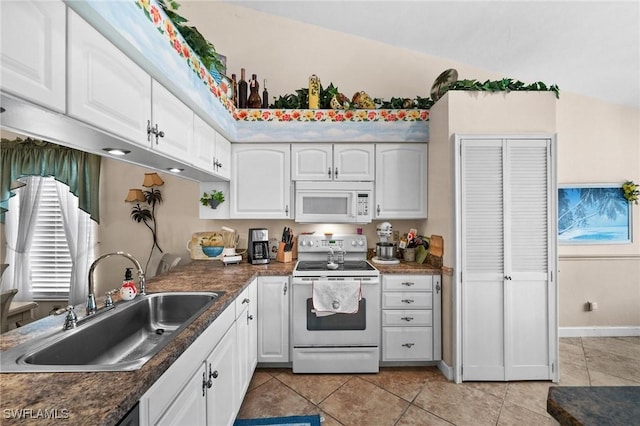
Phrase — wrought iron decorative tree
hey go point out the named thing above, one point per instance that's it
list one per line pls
(146, 213)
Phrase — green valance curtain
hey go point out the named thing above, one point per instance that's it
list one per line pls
(77, 169)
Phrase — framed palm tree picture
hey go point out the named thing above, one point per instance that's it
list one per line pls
(593, 214)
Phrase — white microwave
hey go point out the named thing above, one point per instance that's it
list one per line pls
(333, 202)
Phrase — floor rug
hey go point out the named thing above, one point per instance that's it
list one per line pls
(313, 420)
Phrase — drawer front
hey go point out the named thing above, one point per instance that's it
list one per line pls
(407, 318)
(242, 301)
(407, 300)
(407, 282)
(407, 344)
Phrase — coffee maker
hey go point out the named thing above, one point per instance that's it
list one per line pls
(258, 246)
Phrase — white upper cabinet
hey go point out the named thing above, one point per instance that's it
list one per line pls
(222, 159)
(32, 51)
(204, 145)
(346, 162)
(211, 150)
(401, 181)
(311, 161)
(106, 88)
(261, 181)
(171, 123)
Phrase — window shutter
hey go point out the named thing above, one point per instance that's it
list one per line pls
(50, 258)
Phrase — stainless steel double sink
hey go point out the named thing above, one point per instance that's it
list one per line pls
(121, 339)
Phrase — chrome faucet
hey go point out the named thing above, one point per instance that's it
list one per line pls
(91, 299)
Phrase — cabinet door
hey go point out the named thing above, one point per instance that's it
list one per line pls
(242, 349)
(353, 162)
(311, 162)
(204, 145)
(507, 295)
(253, 328)
(32, 51)
(190, 405)
(401, 181)
(261, 181)
(106, 88)
(221, 369)
(273, 319)
(175, 120)
(223, 157)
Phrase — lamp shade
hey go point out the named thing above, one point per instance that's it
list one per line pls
(134, 195)
(152, 179)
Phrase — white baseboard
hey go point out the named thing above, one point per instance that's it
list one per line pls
(445, 370)
(598, 331)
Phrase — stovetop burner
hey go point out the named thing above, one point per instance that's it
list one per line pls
(312, 265)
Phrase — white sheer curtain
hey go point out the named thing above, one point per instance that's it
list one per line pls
(19, 226)
(77, 226)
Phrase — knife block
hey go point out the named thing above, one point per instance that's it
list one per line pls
(283, 256)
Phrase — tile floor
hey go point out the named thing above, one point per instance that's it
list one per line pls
(422, 396)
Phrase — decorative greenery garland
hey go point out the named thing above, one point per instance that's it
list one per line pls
(300, 100)
(504, 85)
(630, 191)
(203, 48)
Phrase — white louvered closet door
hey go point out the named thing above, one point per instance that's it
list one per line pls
(505, 193)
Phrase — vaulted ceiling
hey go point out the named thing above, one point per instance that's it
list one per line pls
(585, 47)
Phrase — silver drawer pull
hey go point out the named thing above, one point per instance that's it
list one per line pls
(408, 345)
(407, 319)
(408, 300)
(408, 283)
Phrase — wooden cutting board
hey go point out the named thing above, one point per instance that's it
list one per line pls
(436, 245)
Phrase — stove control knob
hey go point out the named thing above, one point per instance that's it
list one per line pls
(303, 243)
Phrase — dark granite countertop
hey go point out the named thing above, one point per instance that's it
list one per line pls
(103, 398)
(595, 405)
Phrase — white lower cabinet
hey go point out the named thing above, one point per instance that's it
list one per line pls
(207, 383)
(222, 384)
(411, 318)
(273, 319)
(246, 334)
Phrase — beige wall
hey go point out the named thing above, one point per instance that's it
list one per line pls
(599, 143)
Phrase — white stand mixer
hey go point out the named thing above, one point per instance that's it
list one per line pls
(385, 250)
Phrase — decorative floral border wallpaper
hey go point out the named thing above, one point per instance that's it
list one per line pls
(359, 115)
(163, 24)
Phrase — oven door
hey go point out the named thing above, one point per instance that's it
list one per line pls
(359, 329)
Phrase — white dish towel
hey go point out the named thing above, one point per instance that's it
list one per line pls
(336, 297)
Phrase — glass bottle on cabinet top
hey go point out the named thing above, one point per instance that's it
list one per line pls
(255, 101)
(265, 96)
(242, 90)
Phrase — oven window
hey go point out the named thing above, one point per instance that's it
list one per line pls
(339, 322)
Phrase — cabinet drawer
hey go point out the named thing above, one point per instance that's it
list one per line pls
(407, 282)
(406, 300)
(407, 318)
(242, 301)
(407, 344)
